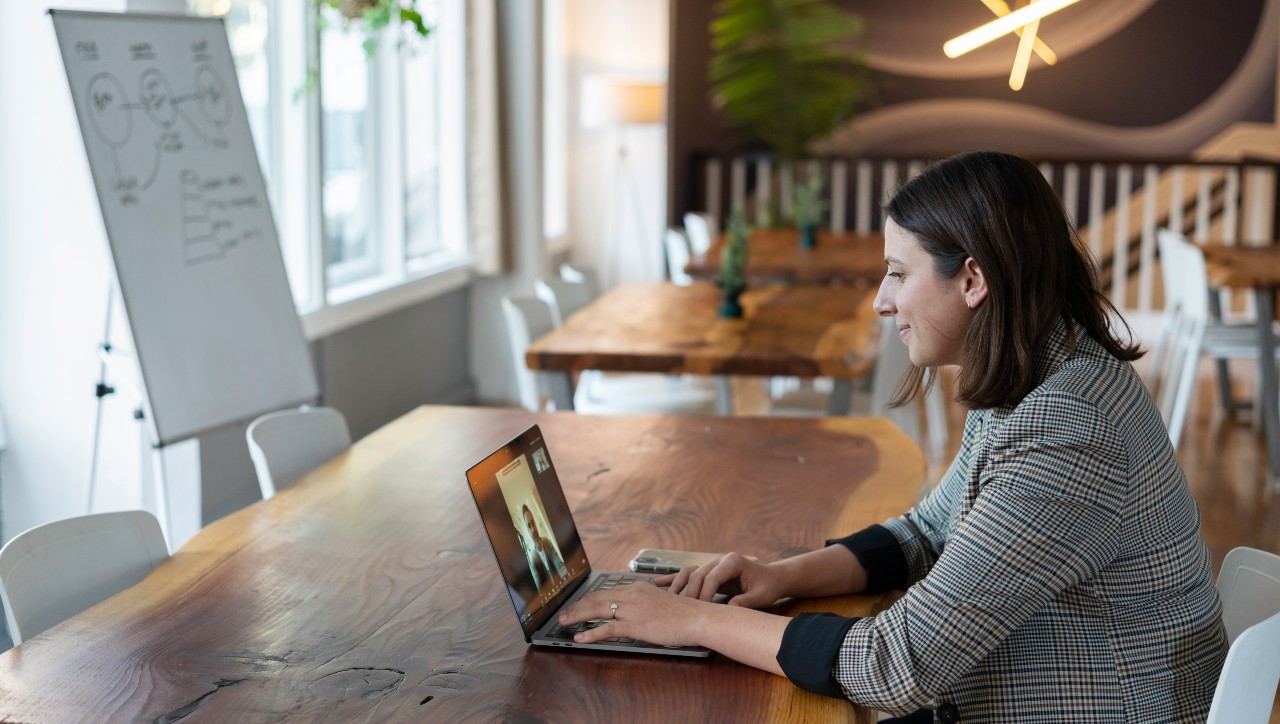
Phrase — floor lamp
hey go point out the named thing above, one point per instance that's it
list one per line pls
(619, 103)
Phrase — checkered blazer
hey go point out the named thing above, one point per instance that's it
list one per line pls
(1057, 571)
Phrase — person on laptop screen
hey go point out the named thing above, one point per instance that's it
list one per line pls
(545, 562)
(1057, 571)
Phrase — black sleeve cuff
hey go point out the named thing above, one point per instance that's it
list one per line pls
(881, 555)
(809, 649)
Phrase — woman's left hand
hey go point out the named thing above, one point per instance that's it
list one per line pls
(639, 611)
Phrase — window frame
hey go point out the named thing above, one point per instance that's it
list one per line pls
(331, 299)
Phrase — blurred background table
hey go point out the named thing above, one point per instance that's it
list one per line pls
(776, 256)
(800, 331)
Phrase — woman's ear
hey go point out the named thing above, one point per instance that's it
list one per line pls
(973, 283)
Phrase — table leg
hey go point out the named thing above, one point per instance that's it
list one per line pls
(838, 402)
(724, 397)
(1269, 394)
(561, 384)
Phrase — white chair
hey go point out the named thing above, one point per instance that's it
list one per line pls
(54, 571)
(286, 445)
(1177, 353)
(892, 360)
(1249, 585)
(1222, 340)
(529, 318)
(701, 229)
(1188, 333)
(563, 296)
(582, 275)
(678, 256)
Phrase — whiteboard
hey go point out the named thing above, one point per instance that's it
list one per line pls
(193, 242)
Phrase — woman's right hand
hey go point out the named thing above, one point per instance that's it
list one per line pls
(757, 584)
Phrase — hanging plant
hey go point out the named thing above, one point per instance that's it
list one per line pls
(371, 16)
(785, 71)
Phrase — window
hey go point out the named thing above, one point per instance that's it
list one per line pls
(364, 156)
(555, 126)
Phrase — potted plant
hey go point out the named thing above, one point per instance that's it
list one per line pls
(733, 265)
(807, 207)
(786, 73)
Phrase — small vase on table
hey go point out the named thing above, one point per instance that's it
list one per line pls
(733, 266)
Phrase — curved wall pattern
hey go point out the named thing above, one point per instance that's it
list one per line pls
(1136, 79)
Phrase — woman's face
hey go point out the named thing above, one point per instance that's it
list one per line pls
(932, 314)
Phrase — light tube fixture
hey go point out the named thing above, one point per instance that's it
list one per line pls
(1002, 26)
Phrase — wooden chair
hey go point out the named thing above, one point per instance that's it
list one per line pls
(1249, 585)
(54, 571)
(288, 444)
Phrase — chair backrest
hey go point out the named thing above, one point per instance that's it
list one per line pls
(1182, 331)
(1249, 585)
(528, 318)
(583, 275)
(54, 571)
(892, 359)
(288, 444)
(701, 228)
(678, 256)
(563, 296)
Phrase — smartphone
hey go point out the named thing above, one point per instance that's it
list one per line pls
(656, 560)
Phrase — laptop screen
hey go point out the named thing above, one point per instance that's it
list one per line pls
(527, 518)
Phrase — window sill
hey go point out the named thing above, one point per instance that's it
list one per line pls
(360, 302)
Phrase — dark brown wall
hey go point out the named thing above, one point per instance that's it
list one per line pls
(1156, 79)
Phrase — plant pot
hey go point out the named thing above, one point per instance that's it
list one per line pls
(730, 306)
(809, 236)
(354, 9)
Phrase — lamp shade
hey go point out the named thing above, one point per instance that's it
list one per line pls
(612, 101)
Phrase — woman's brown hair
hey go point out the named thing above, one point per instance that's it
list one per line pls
(998, 210)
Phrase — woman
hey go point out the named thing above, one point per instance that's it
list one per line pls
(1056, 572)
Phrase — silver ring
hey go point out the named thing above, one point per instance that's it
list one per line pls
(614, 615)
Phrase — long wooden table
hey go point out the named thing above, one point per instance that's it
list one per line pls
(776, 256)
(803, 331)
(368, 591)
(1256, 268)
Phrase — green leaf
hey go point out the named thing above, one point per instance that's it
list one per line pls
(785, 71)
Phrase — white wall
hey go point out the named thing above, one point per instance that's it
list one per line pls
(54, 280)
(630, 38)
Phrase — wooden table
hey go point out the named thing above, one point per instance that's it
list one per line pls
(776, 256)
(368, 592)
(1256, 268)
(803, 331)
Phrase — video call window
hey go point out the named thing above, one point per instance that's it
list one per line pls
(533, 529)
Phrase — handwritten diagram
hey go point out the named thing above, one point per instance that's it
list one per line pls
(111, 116)
(208, 207)
(158, 124)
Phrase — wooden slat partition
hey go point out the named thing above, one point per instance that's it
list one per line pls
(1117, 205)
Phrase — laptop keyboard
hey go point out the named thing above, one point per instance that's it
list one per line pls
(601, 583)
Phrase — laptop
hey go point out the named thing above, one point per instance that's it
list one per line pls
(539, 551)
